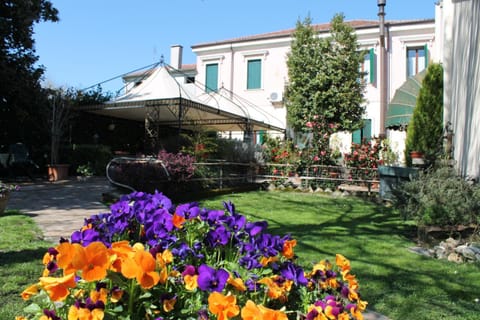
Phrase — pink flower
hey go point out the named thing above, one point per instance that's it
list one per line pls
(309, 124)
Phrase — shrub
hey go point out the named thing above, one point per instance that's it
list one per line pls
(439, 197)
(179, 166)
(96, 155)
(425, 129)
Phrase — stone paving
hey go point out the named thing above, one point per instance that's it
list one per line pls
(59, 208)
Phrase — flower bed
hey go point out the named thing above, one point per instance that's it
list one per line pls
(149, 259)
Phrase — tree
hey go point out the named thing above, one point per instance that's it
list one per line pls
(324, 77)
(20, 90)
(425, 130)
(325, 94)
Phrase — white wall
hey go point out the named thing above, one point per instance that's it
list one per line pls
(232, 59)
(461, 60)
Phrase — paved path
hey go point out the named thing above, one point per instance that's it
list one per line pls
(59, 208)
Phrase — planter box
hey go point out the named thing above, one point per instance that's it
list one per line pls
(58, 172)
(391, 177)
(4, 201)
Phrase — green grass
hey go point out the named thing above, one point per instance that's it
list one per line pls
(21, 252)
(395, 282)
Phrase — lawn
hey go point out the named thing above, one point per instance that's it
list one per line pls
(395, 282)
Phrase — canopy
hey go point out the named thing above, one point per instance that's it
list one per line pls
(160, 98)
(400, 108)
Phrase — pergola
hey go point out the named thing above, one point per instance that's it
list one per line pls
(161, 101)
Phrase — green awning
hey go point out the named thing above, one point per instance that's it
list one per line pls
(400, 108)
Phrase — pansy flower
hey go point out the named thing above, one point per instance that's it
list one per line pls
(210, 279)
(223, 306)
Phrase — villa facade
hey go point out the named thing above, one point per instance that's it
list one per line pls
(252, 71)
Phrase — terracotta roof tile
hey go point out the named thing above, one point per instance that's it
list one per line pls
(321, 28)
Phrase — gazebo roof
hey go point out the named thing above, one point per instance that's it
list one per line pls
(177, 105)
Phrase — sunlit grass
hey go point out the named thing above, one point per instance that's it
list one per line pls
(21, 251)
(396, 282)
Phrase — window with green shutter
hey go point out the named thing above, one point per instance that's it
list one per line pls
(416, 60)
(211, 77)
(371, 61)
(368, 66)
(254, 74)
(364, 133)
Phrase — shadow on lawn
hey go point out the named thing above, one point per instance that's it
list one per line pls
(22, 256)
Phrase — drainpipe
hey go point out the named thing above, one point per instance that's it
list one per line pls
(232, 66)
(383, 68)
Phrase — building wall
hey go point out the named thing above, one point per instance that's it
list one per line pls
(232, 59)
(461, 61)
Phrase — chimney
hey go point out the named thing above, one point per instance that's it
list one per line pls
(176, 56)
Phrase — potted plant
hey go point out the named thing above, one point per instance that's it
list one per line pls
(5, 190)
(84, 171)
(60, 105)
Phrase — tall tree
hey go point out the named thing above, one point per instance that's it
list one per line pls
(425, 130)
(324, 76)
(325, 91)
(20, 90)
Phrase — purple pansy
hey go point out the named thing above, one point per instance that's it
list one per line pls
(210, 279)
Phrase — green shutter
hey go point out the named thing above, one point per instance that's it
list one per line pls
(425, 48)
(367, 130)
(261, 139)
(254, 74)
(211, 81)
(372, 66)
(357, 136)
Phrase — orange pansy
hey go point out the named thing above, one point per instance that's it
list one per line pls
(237, 283)
(288, 246)
(57, 288)
(190, 281)
(169, 304)
(164, 258)
(178, 221)
(224, 307)
(66, 252)
(93, 260)
(141, 267)
(75, 313)
(120, 251)
(30, 291)
(251, 312)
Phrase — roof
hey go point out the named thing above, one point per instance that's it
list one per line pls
(176, 104)
(320, 28)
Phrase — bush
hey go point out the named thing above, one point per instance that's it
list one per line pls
(425, 130)
(96, 156)
(440, 198)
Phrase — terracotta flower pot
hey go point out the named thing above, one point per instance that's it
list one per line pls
(4, 196)
(417, 157)
(57, 172)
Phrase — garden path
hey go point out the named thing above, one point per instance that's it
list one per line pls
(59, 208)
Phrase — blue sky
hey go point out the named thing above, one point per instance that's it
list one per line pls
(96, 40)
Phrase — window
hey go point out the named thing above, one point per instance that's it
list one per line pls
(189, 79)
(368, 67)
(211, 81)
(364, 133)
(254, 74)
(417, 59)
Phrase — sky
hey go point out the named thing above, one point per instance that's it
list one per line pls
(97, 40)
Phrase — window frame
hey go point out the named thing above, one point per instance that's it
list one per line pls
(208, 87)
(258, 78)
(417, 49)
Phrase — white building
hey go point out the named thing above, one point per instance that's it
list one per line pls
(458, 30)
(251, 72)
(255, 68)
